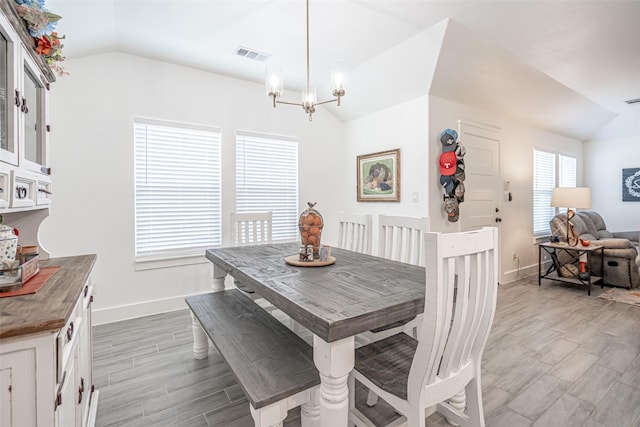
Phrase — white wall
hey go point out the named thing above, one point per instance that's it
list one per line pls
(603, 164)
(516, 166)
(403, 126)
(92, 112)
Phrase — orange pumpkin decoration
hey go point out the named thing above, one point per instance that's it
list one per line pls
(310, 224)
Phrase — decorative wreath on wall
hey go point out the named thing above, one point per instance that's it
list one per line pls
(41, 24)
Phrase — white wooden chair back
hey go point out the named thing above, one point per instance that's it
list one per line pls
(460, 302)
(401, 238)
(354, 232)
(251, 228)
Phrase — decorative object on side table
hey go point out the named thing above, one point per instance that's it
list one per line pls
(379, 176)
(571, 197)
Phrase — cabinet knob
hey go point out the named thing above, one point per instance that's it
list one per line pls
(24, 107)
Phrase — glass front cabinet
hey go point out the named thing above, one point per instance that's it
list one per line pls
(24, 129)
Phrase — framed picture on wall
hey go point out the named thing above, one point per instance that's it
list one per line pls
(379, 176)
(631, 185)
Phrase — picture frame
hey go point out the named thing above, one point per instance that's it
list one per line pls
(379, 176)
(631, 185)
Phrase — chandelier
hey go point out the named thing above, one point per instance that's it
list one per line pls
(309, 100)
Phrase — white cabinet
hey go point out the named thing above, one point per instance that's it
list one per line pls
(24, 115)
(46, 378)
(10, 47)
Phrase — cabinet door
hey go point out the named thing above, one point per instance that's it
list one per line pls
(9, 92)
(66, 410)
(84, 373)
(18, 383)
(34, 116)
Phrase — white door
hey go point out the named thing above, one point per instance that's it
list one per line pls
(481, 206)
(482, 170)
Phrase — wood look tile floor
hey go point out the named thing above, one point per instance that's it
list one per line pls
(555, 357)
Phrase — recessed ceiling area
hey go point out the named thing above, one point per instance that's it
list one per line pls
(589, 47)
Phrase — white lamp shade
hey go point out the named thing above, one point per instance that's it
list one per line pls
(571, 197)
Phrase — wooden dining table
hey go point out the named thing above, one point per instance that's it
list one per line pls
(336, 302)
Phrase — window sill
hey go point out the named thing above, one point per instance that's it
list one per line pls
(168, 261)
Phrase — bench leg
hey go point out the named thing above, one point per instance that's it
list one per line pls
(310, 411)
(200, 339)
(334, 362)
(270, 416)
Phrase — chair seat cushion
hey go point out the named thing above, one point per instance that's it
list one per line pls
(387, 363)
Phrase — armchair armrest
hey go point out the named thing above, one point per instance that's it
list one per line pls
(634, 236)
(614, 243)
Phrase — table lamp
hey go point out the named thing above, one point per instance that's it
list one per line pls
(571, 197)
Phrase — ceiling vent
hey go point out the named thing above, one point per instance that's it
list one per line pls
(632, 101)
(252, 54)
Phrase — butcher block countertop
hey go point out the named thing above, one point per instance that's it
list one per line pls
(50, 307)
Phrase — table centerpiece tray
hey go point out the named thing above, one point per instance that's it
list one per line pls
(295, 260)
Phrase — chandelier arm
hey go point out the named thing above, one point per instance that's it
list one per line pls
(326, 102)
(290, 103)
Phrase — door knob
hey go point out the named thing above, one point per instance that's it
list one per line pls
(498, 219)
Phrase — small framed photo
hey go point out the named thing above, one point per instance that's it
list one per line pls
(379, 177)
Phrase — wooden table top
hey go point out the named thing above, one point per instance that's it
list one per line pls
(50, 307)
(356, 294)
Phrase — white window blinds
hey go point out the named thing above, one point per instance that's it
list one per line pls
(267, 180)
(544, 180)
(549, 168)
(177, 189)
(567, 171)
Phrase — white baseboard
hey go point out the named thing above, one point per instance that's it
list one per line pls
(141, 309)
(513, 275)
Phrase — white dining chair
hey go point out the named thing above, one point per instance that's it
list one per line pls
(400, 239)
(255, 228)
(251, 228)
(354, 232)
(441, 367)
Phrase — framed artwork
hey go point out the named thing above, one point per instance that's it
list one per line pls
(379, 177)
(631, 185)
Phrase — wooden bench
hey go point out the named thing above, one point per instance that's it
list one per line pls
(273, 366)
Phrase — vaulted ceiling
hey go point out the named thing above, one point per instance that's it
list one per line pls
(588, 51)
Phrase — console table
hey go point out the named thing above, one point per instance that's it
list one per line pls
(554, 250)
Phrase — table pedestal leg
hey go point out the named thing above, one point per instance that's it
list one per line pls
(200, 340)
(217, 282)
(334, 362)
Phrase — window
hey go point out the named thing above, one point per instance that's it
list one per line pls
(549, 168)
(267, 180)
(177, 189)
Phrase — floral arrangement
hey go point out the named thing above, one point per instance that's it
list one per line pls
(41, 24)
